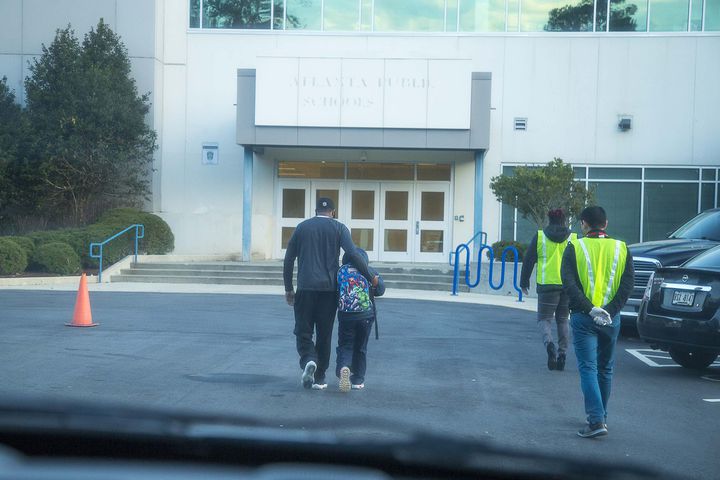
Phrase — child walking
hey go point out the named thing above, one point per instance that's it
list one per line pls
(356, 314)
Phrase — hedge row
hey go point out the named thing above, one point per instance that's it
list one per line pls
(67, 251)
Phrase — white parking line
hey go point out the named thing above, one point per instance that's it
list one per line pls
(646, 357)
(711, 378)
(712, 400)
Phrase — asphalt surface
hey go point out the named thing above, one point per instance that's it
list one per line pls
(468, 370)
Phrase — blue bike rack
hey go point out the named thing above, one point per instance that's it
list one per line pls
(466, 248)
(139, 233)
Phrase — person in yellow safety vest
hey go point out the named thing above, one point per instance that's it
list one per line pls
(597, 275)
(546, 248)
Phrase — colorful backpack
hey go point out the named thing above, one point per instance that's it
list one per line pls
(354, 291)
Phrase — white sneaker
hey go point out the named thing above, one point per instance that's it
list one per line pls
(319, 386)
(359, 386)
(308, 375)
(344, 379)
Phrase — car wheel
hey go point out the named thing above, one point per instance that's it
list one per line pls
(693, 359)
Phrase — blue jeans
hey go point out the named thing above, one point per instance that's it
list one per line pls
(595, 352)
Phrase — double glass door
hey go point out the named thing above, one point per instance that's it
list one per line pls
(394, 222)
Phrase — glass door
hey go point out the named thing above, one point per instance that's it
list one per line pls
(431, 222)
(332, 190)
(396, 222)
(362, 218)
(295, 206)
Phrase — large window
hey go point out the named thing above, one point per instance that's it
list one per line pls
(642, 204)
(458, 15)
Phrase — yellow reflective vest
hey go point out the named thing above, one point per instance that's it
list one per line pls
(600, 266)
(549, 255)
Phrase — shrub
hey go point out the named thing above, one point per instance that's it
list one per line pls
(158, 239)
(498, 248)
(56, 257)
(13, 259)
(25, 243)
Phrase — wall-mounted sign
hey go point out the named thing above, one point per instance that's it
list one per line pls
(361, 92)
(210, 154)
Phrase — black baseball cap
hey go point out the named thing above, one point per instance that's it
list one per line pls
(324, 204)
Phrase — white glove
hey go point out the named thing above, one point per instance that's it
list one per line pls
(600, 316)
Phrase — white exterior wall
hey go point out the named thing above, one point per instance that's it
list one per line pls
(571, 87)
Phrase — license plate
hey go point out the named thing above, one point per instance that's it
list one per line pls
(683, 298)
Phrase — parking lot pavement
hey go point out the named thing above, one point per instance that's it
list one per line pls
(465, 369)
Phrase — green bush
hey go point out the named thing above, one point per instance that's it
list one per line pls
(498, 248)
(158, 239)
(13, 259)
(25, 243)
(56, 257)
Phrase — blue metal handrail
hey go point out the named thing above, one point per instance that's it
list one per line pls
(139, 233)
(456, 274)
(483, 241)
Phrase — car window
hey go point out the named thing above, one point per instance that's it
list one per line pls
(704, 226)
(709, 259)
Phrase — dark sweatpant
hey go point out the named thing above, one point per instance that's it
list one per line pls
(315, 314)
(553, 305)
(353, 338)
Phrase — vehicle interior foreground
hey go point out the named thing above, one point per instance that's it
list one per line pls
(62, 441)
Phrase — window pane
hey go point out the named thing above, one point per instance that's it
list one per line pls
(363, 205)
(363, 238)
(696, 19)
(712, 15)
(431, 241)
(709, 259)
(293, 203)
(708, 174)
(507, 228)
(667, 206)
(669, 16)
(621, 201)
(396, 205)
(303, 15)
(525, 229)
(233, 14)
(434, 172)
(615, 173)
(194, 13)
(341, 15)
(451, 16)
(563, 17)
(432, 206)
(628, 16)
(482, 16)
(311, 170)
(579, 172)
(509, 171)
(286, 235)
(381, 171)
(396, 240)
(671, 174)
(601, 16)
(409, 15)
(707, 200)
(366, 15)
(333, 195)
(279, 15)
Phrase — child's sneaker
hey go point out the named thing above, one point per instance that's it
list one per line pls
(358, 386)
(319, 386)
(308, 376)
(344, 379)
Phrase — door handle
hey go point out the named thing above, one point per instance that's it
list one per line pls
(417, 227)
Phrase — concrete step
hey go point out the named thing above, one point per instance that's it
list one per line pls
(218, 266)
(198, 280)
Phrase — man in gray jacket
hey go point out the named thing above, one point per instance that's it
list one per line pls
(316, 244)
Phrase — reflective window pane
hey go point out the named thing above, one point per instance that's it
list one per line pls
(712, 15)
(696, 17)
(366, 15)
(668, 206)
(381, 171)
(601, 15)
(335, 170)
(482, 16)
(669, 16)
(431, 241)
(432, 206)
(707, 200)
(451, 16)
(579, 172)
(363, 205)
(396, 240)
(194, 13)
(303, 15)
(234, 14)
(279, 15)
(286, 235)
(409, 15)
(628, 16)
(363, 238)
(333, 195)
(341, 15)
(293, 203)
(507, 230)
(396, 205)
(615, 173)
(440, 172)
(513, 19)
(671, 173)
(708, 174)
(559, 16)
(621, 201)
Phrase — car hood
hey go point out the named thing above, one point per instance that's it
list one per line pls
(672, 251)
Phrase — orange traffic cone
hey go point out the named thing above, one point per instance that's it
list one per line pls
(82, 316)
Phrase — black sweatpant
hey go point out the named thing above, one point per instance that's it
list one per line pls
(315, 314)
(353, 335)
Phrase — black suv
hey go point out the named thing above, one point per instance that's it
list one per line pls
(696, 236)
